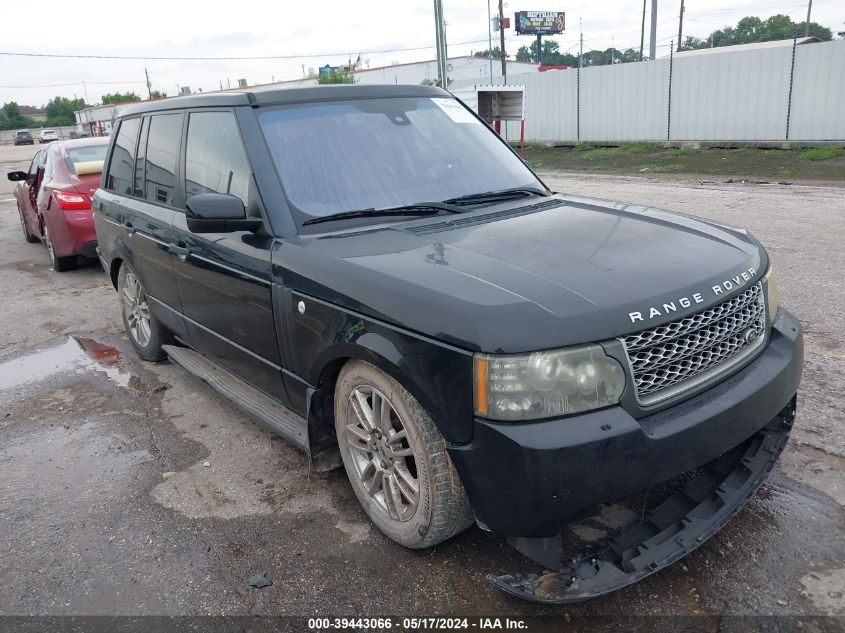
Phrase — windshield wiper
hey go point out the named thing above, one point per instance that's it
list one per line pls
(496, 196)
(420, 208)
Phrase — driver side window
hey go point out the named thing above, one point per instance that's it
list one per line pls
(33, 166)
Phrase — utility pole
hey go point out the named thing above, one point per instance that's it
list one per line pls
(680, 25)
(85, 90)
(642, 32)
(440, 42)
(149, 89)
(807, 24)
(502, 40)
(539, 50)
(490, 39)
(652, 44)
(578, 87)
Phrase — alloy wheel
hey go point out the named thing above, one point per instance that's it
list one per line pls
(381, 453)
(136, 310)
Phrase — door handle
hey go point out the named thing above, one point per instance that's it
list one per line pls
(181, 250)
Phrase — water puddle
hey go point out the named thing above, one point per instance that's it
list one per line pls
(77, 355)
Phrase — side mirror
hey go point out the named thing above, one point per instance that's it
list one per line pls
(16, 176)
(219, 213)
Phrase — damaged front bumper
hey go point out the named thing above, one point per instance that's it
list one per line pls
(527, 482)
(689, 516)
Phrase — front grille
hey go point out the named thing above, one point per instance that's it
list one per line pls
(670, 358)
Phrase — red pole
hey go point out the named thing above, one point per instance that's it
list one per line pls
(522, 138)
(497, 125)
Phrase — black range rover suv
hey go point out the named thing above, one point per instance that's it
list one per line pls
(376, 276)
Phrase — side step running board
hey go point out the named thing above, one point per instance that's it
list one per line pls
(671, 530)
(267, 410)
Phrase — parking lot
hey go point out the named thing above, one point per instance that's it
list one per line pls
(132, 488)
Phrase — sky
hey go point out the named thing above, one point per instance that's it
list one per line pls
(308, 35)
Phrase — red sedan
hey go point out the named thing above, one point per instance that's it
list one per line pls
(54, 198)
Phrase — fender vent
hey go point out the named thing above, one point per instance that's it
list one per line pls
(461, 221)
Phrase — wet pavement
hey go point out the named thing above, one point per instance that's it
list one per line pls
(131, 488)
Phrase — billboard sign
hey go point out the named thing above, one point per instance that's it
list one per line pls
(540, 22)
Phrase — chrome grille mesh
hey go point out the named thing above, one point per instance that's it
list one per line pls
(671, 354)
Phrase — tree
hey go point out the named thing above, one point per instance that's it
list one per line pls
(752, 29)
(551, 55)
(12, 119)
(157, 94)
(119, 97)
(335, 77)
(12, 111)
(60, 110)
(524, 54)
(495, 53)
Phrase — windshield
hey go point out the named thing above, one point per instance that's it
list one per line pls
(382, 153)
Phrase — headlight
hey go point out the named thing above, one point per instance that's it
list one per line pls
(771, 293)
(546, 384)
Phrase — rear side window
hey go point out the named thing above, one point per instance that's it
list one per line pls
(215, 161)
(163, 141)
(122, 161)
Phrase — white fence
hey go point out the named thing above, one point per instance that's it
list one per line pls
(743, 96)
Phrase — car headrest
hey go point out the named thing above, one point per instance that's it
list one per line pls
(89, 167)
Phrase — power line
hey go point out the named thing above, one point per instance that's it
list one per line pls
(745, 9)
(73, 83)
(244, 58)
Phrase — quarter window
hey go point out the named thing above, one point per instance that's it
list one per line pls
(215, 161)
(162, 151)
(122, 161)
(140, 159)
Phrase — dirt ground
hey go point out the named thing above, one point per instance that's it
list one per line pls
(131, 488)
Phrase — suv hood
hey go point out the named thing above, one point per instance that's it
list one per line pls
(561, 271)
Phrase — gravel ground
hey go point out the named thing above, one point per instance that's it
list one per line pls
(131, 488)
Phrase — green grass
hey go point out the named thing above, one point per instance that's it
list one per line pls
(822, 153)
(769, 165)
(638, 148)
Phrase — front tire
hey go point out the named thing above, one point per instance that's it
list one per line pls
(145, 333)
(59, 264)
(396, 460)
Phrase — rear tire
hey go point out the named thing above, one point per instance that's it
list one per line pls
(396, 460)
(29, 237)
(145, 333)
(60, 264)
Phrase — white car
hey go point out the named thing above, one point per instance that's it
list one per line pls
(45, 136)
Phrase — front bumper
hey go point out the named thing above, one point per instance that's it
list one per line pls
(530, 480)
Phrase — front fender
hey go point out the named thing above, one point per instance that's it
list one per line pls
(325, 336)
